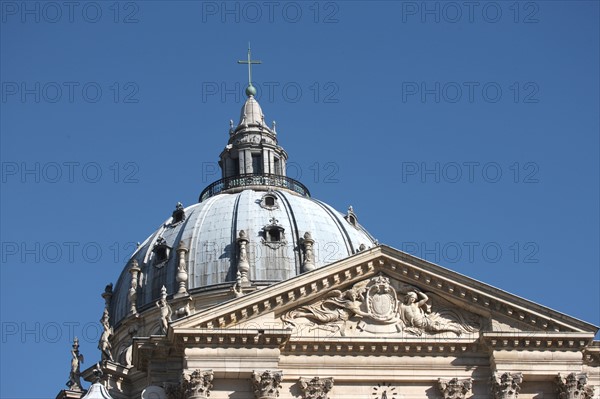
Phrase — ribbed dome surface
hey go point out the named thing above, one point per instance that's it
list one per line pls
(210, 230)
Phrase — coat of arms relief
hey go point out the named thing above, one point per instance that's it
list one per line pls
(380, 306)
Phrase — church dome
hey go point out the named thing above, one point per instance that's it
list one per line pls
(275, 224)
(253, 227)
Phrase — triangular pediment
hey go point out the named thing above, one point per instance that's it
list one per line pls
(385, 293)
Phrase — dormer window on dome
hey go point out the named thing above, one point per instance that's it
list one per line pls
(178, 215)
(161, 253)
(273, 234)
(351, 217)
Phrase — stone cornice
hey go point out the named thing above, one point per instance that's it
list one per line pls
(196, 337)
(591, 354)
(375, 346)
(537, 340)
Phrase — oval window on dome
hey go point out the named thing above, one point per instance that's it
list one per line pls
(269, 201)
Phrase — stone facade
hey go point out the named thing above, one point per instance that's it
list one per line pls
(346, 323)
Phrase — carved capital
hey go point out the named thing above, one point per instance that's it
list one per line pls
(315, 388)
(506, 385)
(266, 384)
(194, 385)
(455, 388)
(573, 386)
(198, 384)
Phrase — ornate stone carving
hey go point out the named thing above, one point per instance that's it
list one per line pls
(97, 374)
(507, 385)
(573, 386)
(195, 385)
(237, 289)
(74, 382)
(309, 256)
(273, 234)
(165, 311)
(104, 343)
(182, 273)
(198, 384)
(243, 264)
(183, 307)
(414, 318)
(132, 295)
(455, 388)
(266, 384)
(315, 388)
(373, 306)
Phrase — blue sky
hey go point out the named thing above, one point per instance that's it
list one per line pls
(466, 135)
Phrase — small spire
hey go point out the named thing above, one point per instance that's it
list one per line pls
(250, 90)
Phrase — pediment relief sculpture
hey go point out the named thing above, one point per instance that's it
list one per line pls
(380, 306)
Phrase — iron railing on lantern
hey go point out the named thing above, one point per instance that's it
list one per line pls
(253, 179)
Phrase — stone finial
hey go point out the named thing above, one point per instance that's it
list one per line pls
(243, 264)
(182, 273)
(455, 388)
(198, 384)
(132, 295)
(573, 386)
(107, 295)
(74, 382)
(274, 128)
(266, 384)
(506, 385)
(104, 343)
(165, 311)
(315, 388)
(309, 257)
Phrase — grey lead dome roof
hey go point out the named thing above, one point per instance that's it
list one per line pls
(210, 229)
